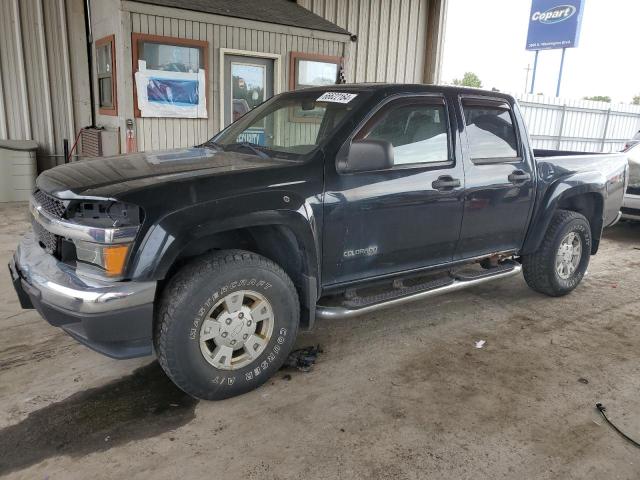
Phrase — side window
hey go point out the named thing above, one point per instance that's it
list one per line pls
(417, 130)
(105, 69)
(490, 132)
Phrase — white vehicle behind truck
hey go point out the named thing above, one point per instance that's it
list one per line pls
(631, 202)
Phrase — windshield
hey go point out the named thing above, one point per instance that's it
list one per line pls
(290, 125)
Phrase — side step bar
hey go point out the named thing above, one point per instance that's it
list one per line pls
(342, 312)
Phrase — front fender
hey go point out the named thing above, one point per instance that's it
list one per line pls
(165, 240)
(551, 195)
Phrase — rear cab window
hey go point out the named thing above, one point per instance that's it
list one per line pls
(416, 127)
(490, 130)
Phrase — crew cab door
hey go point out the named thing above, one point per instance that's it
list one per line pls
(405, 217)
(499, 179)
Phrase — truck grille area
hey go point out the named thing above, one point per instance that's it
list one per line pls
(56, 208)
(49, 241)
(49, 204)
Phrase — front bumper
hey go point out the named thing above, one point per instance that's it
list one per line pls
(113, 318)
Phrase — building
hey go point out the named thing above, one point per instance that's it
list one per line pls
(197, 64)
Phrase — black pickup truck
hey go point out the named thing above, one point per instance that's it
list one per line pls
(320, 203)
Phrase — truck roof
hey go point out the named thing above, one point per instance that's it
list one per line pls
(393, 88)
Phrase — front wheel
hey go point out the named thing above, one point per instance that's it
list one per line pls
(563, 257)
(225, 324)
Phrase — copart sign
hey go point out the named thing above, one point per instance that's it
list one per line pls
(554, 15)
(554, 24)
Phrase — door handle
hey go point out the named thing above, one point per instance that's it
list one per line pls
(518, 176)
(445, 182)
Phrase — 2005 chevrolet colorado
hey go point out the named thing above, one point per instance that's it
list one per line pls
(320, 203)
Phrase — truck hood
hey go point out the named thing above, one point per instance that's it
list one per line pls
(105, 177)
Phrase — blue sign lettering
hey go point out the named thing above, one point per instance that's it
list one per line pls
(554, 24)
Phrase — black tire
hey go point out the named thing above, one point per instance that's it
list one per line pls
(185, 305)
(540, 267)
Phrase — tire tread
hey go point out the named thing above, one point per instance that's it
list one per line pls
(180, 285)
(536, 269)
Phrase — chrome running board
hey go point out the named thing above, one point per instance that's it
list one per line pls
(341, 312)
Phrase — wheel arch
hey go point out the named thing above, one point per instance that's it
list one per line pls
(284, 237)
(584, 198)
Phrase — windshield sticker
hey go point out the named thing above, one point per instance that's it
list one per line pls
(336, 97)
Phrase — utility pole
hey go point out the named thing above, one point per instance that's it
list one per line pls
(535, 67)
(560, 72)
(526, 82)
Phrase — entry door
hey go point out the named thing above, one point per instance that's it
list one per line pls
(248, 81)
(406, 217)
(499, 180)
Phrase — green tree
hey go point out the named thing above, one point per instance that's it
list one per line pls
(469, 79)
(599, 98)
(636, 100)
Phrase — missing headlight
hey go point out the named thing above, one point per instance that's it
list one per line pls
(105, 214)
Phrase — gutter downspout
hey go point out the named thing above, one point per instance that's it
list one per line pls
(89, 34)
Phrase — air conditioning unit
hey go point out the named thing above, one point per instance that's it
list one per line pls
(100, 142)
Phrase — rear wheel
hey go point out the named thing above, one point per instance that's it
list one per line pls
(225, 324)
(563, 257)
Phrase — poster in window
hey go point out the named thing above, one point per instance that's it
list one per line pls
(171, 93)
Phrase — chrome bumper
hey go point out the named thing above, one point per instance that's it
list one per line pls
(58, 285)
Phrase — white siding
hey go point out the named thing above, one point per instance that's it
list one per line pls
(43, 85)
(392, 40)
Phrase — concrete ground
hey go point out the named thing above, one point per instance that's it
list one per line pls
(394, 395)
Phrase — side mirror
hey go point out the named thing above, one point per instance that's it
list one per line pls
(369, 155)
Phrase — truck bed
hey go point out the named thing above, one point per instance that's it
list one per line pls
(605, 171)
(543, 153)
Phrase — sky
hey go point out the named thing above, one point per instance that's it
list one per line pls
(488, 37)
